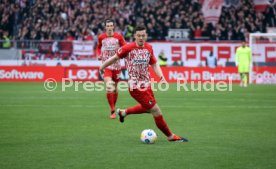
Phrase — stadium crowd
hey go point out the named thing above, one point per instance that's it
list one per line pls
(83, 19)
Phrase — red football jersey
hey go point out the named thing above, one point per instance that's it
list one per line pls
(137, 60)
(107, 47)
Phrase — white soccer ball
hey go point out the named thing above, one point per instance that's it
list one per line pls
(148, 136)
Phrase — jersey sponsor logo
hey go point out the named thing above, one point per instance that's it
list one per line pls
(109, 53)
(140, 61)
(140, 56)
(110, 44)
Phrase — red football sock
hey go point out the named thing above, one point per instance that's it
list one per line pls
(137, 109)
(162, 125)
(110, 98)
(115, 98)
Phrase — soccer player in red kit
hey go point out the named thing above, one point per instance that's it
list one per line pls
(108, 43)
(139, 55)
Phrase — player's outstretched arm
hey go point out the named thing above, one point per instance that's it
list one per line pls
(156, 68)
(109, 61)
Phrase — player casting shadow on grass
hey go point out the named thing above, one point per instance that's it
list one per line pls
(139, 55)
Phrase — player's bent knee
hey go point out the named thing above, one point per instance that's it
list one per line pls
(110, 86)
(110, 83)
(155, 110)
(110, 89)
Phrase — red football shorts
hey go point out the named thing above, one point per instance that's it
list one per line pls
(113, 74)
(145, 97)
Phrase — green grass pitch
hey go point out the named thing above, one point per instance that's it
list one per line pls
(72, 130)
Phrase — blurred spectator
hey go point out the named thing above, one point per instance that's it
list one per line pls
(6, 40)
(69, 36)
(270, 15)
(211, 60)
(162, 58)
(197, 32)
(238, 21)
(129, 32)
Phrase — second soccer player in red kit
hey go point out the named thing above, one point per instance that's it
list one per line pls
(139, 55)
(108, 43)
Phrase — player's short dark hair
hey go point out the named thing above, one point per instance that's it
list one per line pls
(140, 28)
(109, 21)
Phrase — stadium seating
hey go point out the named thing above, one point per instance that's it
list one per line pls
(59, 20)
